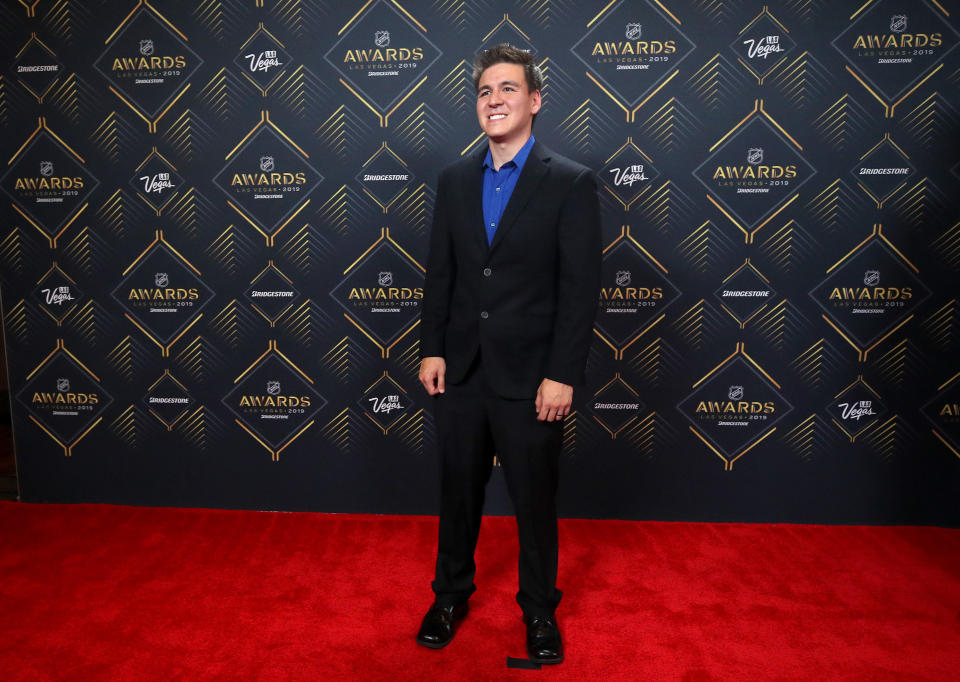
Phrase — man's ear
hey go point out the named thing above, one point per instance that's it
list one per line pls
(535, 106)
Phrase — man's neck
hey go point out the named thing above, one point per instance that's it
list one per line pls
(502, 152)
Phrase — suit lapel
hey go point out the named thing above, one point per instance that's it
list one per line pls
(534, 170)
(473, 200)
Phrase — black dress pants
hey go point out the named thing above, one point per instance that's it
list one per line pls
(474, 424)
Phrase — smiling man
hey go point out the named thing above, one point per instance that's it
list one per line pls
(513, 277)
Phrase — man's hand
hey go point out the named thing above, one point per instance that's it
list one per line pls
(432, 371)
(553, 400)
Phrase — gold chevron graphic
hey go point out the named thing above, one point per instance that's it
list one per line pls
(194, 428)
(31, 7)
(191, 359)
(385, 375)
(628, 143)
(271, 320)
(616, 379)
(15, 321)
(262, 29)
(940, 324)
(386, 148)
(764, 11)
(56, 268)
(164, 348)
(631, 113)
(120, 358)
(881, 200)
(877, 233)
(337, 430)
(642, 433)
(618, 351)
(183, 413)
(151, 123)
(78, 249)
(892, 365)
(384, 237)
(42, 126)
(747, 265)
(647, 363)
(273, 349)
(84, 322)
(215, 93)
(890, 109)
(106, 136)
(383, 118)
(757, 110)
(941, 437)
(155, 153)
(124, 426)
(858, 380)
(265, 121)
(772, 325)
(67, 447)
(729, 461)
(455, 88)
(802, 437)
(337, 360)
(37, 95)
(409, 431)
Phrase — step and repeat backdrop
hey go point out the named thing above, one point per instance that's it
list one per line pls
(215, 219)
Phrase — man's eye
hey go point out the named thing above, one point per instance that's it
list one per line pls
(484, 93)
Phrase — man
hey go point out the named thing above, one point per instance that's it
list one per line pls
(513, 278)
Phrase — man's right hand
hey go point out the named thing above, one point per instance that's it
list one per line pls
(432, 371)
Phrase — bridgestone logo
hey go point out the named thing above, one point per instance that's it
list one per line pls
(375, 178)
(727, 294)
(616, 406)
(169, 401)
(884, 171)
(35, 69)
(271, 294)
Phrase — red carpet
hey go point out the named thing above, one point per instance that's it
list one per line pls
(92, 592)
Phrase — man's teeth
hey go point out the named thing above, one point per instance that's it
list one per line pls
(497, 116)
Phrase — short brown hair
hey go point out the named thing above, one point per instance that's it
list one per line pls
(505, 53)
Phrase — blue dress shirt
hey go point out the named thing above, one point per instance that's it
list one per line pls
(498, 186)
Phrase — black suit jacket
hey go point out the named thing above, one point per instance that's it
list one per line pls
(527, 301)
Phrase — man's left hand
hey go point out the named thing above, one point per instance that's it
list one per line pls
(553, 400)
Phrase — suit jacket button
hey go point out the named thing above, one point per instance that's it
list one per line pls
(487, 272)
(484, 314)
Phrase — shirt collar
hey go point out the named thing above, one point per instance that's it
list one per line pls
(519, 158)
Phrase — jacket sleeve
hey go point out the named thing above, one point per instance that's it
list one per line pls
(441, 274)
(578, 281)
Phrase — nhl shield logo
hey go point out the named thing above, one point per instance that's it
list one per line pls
(871, 278)
(754, 156)
(623, 278)
(273, 387)
(735, 392)
(898, 23)
(63, 385)
(146, 47)
(385, 279)
(161, 279)
(381, 38)
(266, 164)
(633, 31)
(46, 168)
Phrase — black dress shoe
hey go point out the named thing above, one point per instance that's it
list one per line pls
(440, 624)
(543, 639)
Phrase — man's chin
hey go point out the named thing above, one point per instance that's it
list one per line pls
(499, 136)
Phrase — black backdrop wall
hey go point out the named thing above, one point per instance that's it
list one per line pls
(216, 216)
